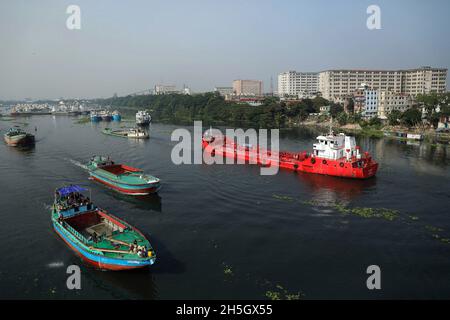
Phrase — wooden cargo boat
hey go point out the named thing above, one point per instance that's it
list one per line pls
(122, 178)
(17, 137)
(99, 238)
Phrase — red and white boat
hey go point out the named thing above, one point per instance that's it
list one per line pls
(333, 155)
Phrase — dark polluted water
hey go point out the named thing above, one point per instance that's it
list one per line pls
(226, 231)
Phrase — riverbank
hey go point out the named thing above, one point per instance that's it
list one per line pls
(429, 135)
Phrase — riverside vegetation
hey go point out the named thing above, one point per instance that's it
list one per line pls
(212, 108)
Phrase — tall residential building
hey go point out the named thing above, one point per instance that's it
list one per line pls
(224, 91)
(335, 83)
(293, 83)
(248, 87)
(389, 101)
(370, 103)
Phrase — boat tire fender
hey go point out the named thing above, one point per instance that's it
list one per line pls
(324, 161)
(341, 164)
(313, 160)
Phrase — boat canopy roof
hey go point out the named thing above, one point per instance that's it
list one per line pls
(70, 189)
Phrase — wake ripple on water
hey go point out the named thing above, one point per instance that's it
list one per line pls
(56, 264)
(76, 163)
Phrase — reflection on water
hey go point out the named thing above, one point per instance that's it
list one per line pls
(334, 189)
(135, 284)
(27, 150)
(148, 202)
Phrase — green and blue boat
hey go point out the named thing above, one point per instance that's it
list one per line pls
(122, 178)
(96, 236)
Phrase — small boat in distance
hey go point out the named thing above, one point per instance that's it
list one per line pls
(17, 137)
(122, 178)
(105, 115)
(116, 116)
(95, 117)
(99, 238)
(133, 133)
(143, 118)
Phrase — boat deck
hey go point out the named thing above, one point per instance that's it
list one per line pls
(111, 235)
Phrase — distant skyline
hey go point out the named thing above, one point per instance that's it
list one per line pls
(125, 47)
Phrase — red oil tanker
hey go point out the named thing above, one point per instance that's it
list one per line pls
(333, 155)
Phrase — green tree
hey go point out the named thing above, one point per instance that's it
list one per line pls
(342, 118)
(394, 117)
(411, 117)
(335, 109)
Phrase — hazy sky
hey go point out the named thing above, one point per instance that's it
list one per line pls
(129, 46)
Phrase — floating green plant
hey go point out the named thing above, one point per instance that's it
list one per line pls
(273, 295)
(366, 212)
(83, 120)
(282, 294)
(310, 203)
(433, 229)
(228, 271)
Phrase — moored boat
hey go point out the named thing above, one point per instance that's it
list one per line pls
(333, 155)
(133, 133)
(95, 117)
(143, 118)
(116, 116)
(17, 137)
(99, 238)
(122, 178)
(105, 115)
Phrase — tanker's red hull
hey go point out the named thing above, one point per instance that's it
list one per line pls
(354, 168)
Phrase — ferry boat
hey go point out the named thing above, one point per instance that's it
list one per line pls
(122, 178)
(97, 237)
(333, 155)
(17, 137)
(133, 133)
(143, 118)
(116, 116)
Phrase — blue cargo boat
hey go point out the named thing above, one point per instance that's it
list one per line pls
(99, 238)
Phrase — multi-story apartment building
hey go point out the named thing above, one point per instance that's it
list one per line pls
(293, 83)
(370, 103)
(224, 91)
(248, 87)
(424, 80)
(389, 101)
(336, 83)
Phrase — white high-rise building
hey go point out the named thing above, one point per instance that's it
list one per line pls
(334, 84)
(293, 83)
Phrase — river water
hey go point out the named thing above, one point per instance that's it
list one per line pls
(225, 231)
